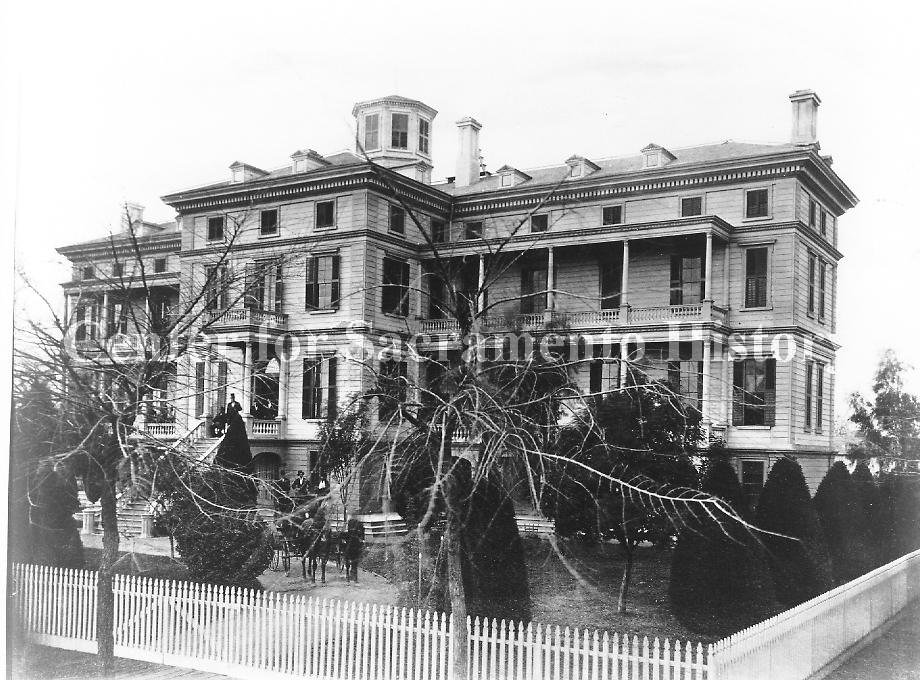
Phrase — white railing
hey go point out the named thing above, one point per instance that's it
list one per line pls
(245, 633)
(803, 640)
(245, 316)
(266, 428)
(604, 317)
(439, 326)
(160, 430)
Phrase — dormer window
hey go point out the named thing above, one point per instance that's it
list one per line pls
(507, 180)
(580, 167)
(654, 156)
(399, 137)
(237, 174)
(372, 131)
(424, 135)
(307, 159)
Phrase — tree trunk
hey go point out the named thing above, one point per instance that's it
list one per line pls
(105, 596)
(455, 579)
(624, 580)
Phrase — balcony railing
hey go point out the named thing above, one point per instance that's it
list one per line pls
(593, 319)
(266, 429)
(160, 430)
(245, 316)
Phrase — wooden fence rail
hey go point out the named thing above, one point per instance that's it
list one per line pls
(240, 632)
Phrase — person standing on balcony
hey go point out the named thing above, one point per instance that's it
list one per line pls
(234, 405)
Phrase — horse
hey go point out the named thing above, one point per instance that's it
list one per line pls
(352, 543)
(315, 545)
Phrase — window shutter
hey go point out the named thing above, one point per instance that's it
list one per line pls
(405, 290)
(250, 283)
(199, 389)
(527, 301)
(221, 383)
(308, 392)
(332, 392)
(770, 392)
(596, 371)
(312, 291)
(738, 394)
(279, 288)
(223, 292)
(335, 282)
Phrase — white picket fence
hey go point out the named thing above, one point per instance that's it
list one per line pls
(241, 633)
(801, 641)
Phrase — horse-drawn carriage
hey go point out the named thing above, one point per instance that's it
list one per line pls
(314, 543)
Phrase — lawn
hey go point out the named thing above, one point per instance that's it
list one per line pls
(577, 588)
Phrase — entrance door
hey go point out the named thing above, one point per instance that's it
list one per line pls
(266, 467)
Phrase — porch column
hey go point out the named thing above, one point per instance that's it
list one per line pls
(283, 377)
(624, 281)
(624, 355)
(147, 320)
(245, 397)
(66, 310)
(708, 280)
(550, 279)
(105, 315)
(707, 367)
(481, 298)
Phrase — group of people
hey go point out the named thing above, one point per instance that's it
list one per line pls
(289, 493)
(221, 419)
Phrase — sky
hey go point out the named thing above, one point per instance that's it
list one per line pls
(105, 102)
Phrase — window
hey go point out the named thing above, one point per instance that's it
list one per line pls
(325, 214)
(424, 135)
(323, 282)
(118, 269)
(264, 285)
(754, 398)
(651, 159)
(539, 223)
(755, 278)
(809, 392)
(395, 297)
(533, 290)
(823, 223)
(812, 213)
(87, 315)
(320, 398)
(812, 270)
(575, 170)
(686, 378)
(613, 214)
(686, 280)
(603, 375)
(216, 228)
(507, 180)
(473, 230)
(216, 295)
(437, 297)
(391, 386)
(439, 232)
(117, 323)
(221, 383)
(159, 265)
(691, 206)
(752, 477)
(268, 222)
(399, 139)
(397, 219)
(757, 203)
(372, 131)
(89, 272)
(611, 284)
(822, 284)
(819, 397)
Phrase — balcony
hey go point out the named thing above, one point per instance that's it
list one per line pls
(266, 429)
(605, 318)
(245, 316)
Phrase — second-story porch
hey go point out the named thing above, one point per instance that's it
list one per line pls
(633, 282)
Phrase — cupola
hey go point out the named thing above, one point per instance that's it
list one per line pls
(395, 132)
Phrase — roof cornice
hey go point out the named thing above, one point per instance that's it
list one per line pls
(328, 180)
(121, 245)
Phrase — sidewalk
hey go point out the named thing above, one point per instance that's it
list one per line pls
(893, 656)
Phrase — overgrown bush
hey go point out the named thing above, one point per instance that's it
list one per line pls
(797, 552)
(720, 581)
(838, 506)
(898, 517)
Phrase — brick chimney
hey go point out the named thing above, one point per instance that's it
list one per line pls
(805, 105)
(468, 155)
